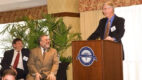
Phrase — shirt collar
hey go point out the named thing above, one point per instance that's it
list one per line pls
(42, 49)
(17, 51)
(112, 18)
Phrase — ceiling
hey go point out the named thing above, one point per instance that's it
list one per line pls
(9, 5)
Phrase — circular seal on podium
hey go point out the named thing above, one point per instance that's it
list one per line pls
(86, 56)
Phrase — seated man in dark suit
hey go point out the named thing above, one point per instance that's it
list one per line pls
(111, 27)
(16, 59)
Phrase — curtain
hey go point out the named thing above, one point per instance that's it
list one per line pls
(90, 5)
(132, 41)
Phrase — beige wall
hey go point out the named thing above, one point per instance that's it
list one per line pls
(75, 23)
(69, 6)
(56, 6)
(89, 22)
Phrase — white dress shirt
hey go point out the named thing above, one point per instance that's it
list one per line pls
(20, 63)
(42, 50)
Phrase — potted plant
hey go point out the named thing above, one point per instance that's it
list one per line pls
(60, 36)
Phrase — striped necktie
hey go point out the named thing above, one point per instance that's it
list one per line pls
(107, 29)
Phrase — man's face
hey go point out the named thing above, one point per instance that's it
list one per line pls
(18, 45)
(45, 42)
(8, 77)
(108, 10)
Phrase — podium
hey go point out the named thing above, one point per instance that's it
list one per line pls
(97, 60)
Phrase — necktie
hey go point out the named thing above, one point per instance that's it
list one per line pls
(16, 60)
(107, 29)
(44, 52)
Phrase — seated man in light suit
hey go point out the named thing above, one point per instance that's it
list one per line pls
(111, 27)
(43, 61)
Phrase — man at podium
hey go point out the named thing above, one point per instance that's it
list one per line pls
(111, 27)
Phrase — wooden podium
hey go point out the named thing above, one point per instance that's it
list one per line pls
(106, 66)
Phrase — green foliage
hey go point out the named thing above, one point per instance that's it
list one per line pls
(29, 32)
(66, 59)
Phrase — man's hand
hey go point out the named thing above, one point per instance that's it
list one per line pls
(38, 76)
(13, 69)
(109, 38)
(51, 76)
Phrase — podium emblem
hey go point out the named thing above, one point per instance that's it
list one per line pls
(86, 56)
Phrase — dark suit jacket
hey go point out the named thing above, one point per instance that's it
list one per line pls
(7, 59)
(118, 23)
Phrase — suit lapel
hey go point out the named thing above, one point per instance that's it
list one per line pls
(23, 54)
(40, 54)
(11, 55)
(46, 56)
(114, 21)
(104, 22)
(113, 24)
(103, 28)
